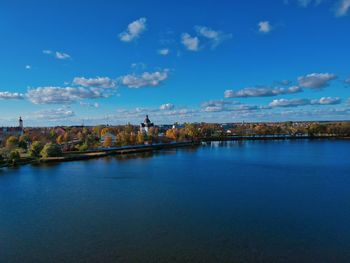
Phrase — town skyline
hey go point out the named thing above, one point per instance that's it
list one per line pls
(223, 62)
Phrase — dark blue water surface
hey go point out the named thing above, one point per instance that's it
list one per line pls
(262, 201)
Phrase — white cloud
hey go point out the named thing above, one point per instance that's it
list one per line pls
(342, 7)
(304, 102)
(216, 37)
(134, 30)
(28, 67)
(5, 95)
(61, 55)
(191, 43)
(164, 51)
(54, 114)
(167, 106)
(316, 80)
(326, 101)
(98, 82)
(239, 108)
(145, 79)
(264, 27)
(218, 103)
(261, 92)
(57, 54)
(89, 105)
(62, 95)
(214, 109)
(289, 103)
(225, 105)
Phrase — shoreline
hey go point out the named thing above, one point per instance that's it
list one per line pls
(99, 153)
(272, 137)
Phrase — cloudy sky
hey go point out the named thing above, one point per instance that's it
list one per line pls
(95, 62)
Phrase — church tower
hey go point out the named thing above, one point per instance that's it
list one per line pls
(20, 122)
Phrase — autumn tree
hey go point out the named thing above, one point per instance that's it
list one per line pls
(191, 130)
(107, 142)
(59, 139)
(12, 142)
(97, 130)
(66, 137)
(172, 134)
(104, 131)
(152, 134)
(140, 138)
(123, 138)
(132, 138)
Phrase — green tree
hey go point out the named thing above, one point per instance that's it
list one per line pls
(51, 150)
(23, 142)
(2, 159)
(14, 157)
(35, 149)
(316, 129)
(84, 147)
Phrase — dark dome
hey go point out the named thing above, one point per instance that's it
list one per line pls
(147, 119)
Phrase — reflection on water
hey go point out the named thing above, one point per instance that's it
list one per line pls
(252, 201)
(122, 157)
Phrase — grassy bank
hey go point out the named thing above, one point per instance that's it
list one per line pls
(92, 154)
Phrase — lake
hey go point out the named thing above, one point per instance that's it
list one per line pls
(253, 201)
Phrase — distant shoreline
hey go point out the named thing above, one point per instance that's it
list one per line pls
(99, 153)
(271, 137)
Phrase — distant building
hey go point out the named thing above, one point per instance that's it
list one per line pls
(146, 125)
(177, 126)
(11, 131)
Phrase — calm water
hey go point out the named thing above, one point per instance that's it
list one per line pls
(225, 202)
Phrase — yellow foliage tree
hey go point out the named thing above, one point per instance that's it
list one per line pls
(132, 138)
(66, 136)
(59, 139)
(140, 138)
(107, 142)
(172, 134)
(104, 131)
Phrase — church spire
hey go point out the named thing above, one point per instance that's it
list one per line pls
(20, 122)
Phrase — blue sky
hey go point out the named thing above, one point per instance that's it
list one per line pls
(73, 62)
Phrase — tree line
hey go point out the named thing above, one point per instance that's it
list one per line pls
(37, 143)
